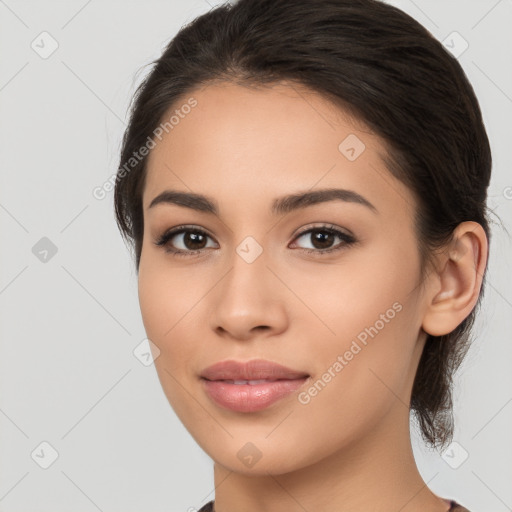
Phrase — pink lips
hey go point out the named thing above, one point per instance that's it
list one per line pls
(265, 383)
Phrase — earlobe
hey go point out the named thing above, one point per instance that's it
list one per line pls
(456, 286)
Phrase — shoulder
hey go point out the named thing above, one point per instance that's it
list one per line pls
(209, 507)
(455, 507)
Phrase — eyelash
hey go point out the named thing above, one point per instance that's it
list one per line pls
(164, 239)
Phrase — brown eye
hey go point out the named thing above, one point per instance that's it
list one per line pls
(323, 239)
(184, 240)
(193, 240)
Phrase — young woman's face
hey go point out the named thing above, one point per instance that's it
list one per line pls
(326, 286)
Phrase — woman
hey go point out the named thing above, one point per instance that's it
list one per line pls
(305, 184)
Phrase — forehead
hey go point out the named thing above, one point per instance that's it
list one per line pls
(255, 143)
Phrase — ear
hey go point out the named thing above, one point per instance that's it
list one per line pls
(456, 285)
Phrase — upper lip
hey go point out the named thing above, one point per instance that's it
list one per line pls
(255, 369)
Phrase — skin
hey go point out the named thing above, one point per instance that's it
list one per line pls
(349, 448)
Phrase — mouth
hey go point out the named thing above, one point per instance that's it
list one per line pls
(250, 396)
(250, 372)
(248, 382)
(250, 386)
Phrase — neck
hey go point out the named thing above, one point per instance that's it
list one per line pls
(377, 472)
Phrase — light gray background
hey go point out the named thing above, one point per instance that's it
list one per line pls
(69, 325)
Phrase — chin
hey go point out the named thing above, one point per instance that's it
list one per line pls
(253, 455)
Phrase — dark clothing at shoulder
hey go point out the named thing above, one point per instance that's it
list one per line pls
(207, 508)
(455, 507)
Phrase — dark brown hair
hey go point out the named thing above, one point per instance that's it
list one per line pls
(378, 64)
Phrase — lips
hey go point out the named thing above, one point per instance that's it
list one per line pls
(250, 382)
(251, 386)
(250, 372)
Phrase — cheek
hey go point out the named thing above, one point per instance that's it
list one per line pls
(172, 302)
(365, 311)
(361, 374)
(346, 297)
(163, 292)
(167, 309)
(164, 302)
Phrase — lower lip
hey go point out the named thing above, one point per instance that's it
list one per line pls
(250, 398)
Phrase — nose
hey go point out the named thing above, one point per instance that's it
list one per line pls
(249, 302)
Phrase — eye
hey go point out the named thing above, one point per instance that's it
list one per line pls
(322, 238)
(184, 240)
(189, 240)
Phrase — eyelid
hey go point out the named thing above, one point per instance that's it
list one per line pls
(327, 226)
(181, 228)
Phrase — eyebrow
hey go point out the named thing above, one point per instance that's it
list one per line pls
(280, 206)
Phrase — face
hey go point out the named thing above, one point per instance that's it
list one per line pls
(326, 285)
